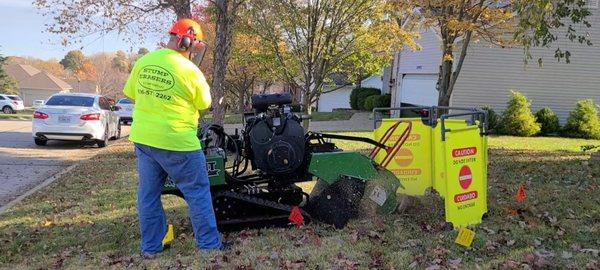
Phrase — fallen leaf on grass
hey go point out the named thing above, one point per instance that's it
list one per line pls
(434, 266)
(218, 261)
(176, 265)
(274, 255)
(440, 252)
(376, 260)
(412, 243)
(455, 264)
(592, 265)
(294, 265)
(538, 259)
(341, 262)
(48, 223)
(566, 255)
(510, 264)
(592, 251)
(109, 260)
(491, 245)
(353, 237)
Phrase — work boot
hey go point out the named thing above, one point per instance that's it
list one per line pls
(225, 246)
(151, 256)
(148, 256)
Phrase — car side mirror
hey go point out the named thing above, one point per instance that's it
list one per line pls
(114, 108)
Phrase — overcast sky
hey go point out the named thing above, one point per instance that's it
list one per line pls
(21, 27)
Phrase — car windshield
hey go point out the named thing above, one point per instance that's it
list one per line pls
(71, 101)
(14, 98)
(124, 101)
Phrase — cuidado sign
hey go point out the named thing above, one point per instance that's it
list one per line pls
(466, 176)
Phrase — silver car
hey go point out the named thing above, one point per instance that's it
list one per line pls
(11, 103)
(125, 110)
(76, 117)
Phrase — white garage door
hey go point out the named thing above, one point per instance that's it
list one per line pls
(338, 99)
(420, 89)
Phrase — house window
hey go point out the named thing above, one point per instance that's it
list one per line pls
(591, 4)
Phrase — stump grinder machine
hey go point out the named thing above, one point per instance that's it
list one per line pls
(254, 174)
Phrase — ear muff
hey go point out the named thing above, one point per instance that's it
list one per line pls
(185, 41)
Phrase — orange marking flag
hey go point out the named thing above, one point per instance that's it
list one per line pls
(521, 195)
(296, 216)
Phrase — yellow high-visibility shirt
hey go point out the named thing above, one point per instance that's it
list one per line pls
(168, 91)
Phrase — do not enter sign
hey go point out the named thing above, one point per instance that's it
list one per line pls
(465, 177)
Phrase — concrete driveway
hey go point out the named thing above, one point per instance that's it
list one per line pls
(23, 165)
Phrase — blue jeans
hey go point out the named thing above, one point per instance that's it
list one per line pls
(188, 171)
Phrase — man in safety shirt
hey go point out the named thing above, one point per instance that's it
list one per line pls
(169, 91)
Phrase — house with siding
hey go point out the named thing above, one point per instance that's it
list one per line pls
(336, 95)
(34, 84)
(489, 73)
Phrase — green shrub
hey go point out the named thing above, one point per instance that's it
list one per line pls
(377, 101)
(548, 121)
(383, 101)
(359, 95)
(493, 119)
(369, 103)
(583, 121)
(518, 120)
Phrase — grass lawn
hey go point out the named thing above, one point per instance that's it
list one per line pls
(26, 114)
(331, 116)
(87, 219)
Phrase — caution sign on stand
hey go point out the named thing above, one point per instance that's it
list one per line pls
(466, 183)
(412, 164)
(438, 154)
(448, 155)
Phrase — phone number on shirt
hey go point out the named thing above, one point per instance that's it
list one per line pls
(152, 93)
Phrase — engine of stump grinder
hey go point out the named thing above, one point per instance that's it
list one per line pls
(254, 172)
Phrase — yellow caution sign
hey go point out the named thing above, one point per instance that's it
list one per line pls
(438, 155)
(448, 155)
(412, 164)
(465, 237)
(465, 175)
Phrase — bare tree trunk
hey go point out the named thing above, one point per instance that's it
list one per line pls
(449, 74)
(182, 8)
(445, 74)
(444, 83)
(307, 110)
(225, 20)
(242, 101)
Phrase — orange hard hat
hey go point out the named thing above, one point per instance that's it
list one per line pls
(187, 27)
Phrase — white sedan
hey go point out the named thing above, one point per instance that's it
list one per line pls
(125, 110)
(11, 103)
(76, 117)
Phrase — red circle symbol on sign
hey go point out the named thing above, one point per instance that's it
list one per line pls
(465, 177)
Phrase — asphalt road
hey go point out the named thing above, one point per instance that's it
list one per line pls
(23, 165)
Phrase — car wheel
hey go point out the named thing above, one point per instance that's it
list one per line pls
(117, 133)
(40, 142)
(102, 143)
(8, 110)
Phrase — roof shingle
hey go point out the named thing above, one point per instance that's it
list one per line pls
(32, 78)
